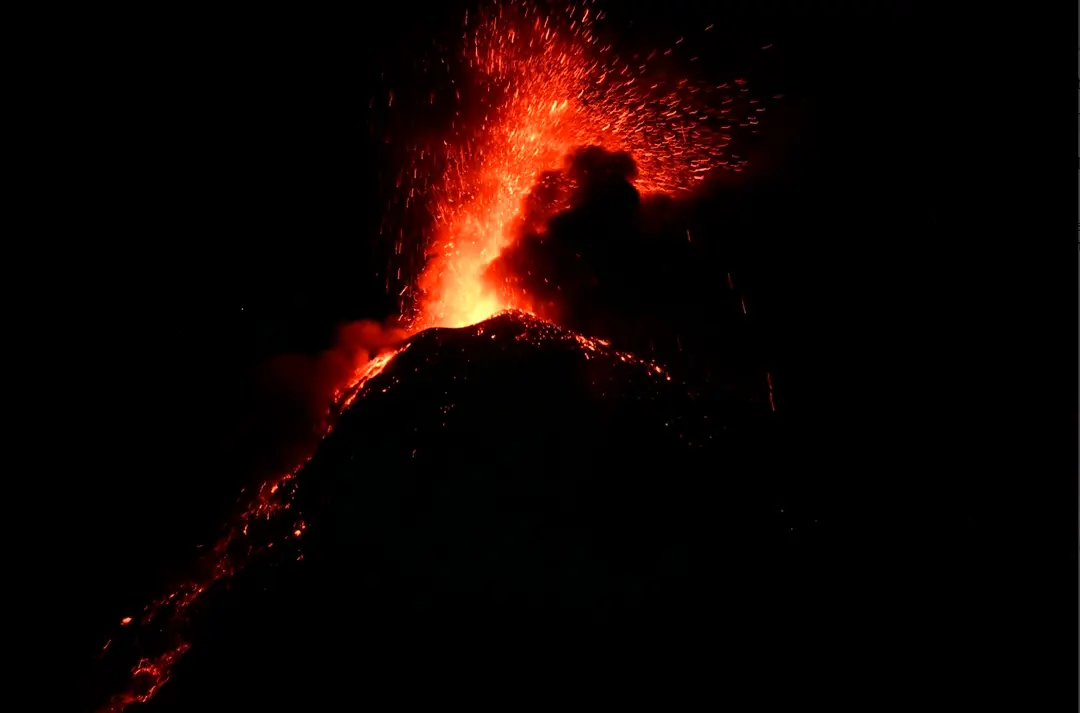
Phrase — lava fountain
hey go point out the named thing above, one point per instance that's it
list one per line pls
(546, 84)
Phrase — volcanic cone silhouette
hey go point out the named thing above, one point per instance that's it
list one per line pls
(494, 487)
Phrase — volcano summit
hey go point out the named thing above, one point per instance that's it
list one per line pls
(502, 481)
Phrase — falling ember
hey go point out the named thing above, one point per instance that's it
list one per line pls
(546, 86)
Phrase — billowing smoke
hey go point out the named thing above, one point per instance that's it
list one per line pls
(620, 265)
(295, 391)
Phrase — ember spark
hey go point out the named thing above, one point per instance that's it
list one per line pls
(548, 85)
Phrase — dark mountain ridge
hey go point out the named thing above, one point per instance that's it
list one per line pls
(498, 490)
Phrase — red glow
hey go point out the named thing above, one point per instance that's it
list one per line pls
(237, 545)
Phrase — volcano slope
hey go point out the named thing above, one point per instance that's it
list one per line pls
(497, 491)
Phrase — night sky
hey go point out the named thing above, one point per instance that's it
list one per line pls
(230, 193)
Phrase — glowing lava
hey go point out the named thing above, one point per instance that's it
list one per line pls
(546, 85)
(246, 537)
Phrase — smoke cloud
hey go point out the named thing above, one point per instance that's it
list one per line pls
(294, 391)
(634, 269)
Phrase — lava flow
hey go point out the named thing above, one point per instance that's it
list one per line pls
(246, 537)
(547, 85)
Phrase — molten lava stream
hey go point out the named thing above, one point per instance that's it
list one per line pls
(234, 549)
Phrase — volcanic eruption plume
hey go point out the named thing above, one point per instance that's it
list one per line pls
(545, 84)
(537, 85)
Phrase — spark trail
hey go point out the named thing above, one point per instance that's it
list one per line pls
(546, 85)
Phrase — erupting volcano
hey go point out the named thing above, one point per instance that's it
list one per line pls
(546, 107)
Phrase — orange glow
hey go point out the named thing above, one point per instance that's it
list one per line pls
(548, 87)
